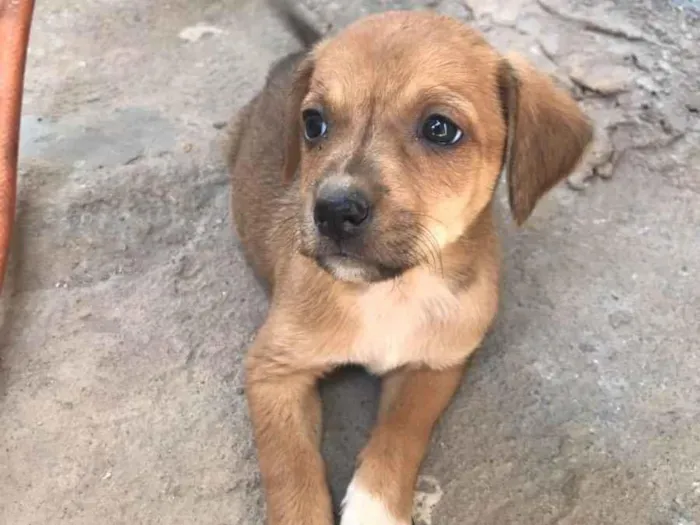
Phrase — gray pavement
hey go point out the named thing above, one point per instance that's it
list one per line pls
(128, 306)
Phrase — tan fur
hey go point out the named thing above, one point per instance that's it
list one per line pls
(376, 80)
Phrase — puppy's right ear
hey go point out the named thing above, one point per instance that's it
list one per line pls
(547, 133)
(300, 87)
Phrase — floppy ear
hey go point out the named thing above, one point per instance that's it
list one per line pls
(292, 134)
(547, 134)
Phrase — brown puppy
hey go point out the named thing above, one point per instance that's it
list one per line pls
(363, 176)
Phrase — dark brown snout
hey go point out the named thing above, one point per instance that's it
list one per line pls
(342, 211)
(353, 230)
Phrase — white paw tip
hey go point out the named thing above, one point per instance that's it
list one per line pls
(362, 508)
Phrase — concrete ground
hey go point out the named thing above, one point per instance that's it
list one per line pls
(128, 307)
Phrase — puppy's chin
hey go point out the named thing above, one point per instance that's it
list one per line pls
(352, 270)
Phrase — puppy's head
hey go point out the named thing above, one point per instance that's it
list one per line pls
(398, 129)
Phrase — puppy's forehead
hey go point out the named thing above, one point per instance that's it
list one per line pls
(398, 51)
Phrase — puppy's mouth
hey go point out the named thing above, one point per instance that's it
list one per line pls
(374, 258)
(344, 266)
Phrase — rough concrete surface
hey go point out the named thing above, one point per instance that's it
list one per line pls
(128, 306)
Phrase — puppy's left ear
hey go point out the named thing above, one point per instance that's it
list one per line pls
(292, 133)
(547, 133)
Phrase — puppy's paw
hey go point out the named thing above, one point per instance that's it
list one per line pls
(360, 507)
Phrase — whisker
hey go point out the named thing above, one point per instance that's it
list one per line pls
(280, 225)
(429, 245)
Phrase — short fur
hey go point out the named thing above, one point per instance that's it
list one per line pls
(418, 292)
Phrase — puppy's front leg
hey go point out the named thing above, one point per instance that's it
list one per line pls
(285, 410)
(381, 492)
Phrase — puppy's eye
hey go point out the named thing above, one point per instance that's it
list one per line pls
(315, 126)
(441, 130)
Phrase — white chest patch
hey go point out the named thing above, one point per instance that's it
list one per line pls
(399, 320)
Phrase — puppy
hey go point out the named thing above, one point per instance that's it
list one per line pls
(363, 177)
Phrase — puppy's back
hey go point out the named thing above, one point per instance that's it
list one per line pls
(261, 208)
(255, 160)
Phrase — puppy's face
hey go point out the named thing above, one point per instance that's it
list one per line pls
(401, 125)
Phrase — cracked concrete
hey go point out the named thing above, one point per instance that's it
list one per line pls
(128, 306)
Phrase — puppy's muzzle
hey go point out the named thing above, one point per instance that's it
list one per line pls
(341, 212)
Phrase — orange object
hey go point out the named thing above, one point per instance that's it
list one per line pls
(15, 23)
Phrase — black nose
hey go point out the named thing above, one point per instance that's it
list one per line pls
(341, 213)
